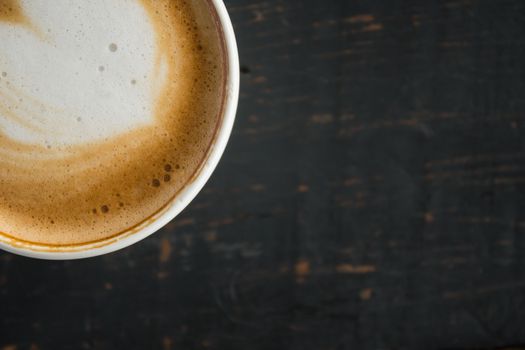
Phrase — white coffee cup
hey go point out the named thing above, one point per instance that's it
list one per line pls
(186, 195)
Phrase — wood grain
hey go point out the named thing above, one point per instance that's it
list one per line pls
(371, 197)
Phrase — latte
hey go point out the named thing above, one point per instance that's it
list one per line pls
(107, 110)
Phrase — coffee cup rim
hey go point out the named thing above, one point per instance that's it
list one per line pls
(183, 198)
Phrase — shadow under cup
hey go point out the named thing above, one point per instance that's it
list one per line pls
(182, 198)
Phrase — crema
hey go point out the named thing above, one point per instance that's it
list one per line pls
(107, 110)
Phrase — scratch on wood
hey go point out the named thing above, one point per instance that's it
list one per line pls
(303, 188)
(502, 170)
(296, 328)
(165, 250)
(221, 222)
(210, 236)
(188, 240)
(302, 270)
(456, 4)
(483, 290)
(449, 249)
(357, 19)
(348, 251)
(329, 22)
(416, 119)
(351, 203)
(261, 130)
(347, 116)
(366, 293)
(488, 183)
(355, 269)
(258, 16)
(260, 11)
(167, 343)
(259, 80)
(243, 249)
(351, 182)
(490, 220)
(416, 20)
(321, 119)
(505, 169)
(373, 27)
(336, 54)
(509, 180)
(453, 44)
(244, 8)
(393, 244)
(479, 220)
(200, 205)
(10, 347)
(162, 275)
(257, 188)
(454, 261)
(460, 160)
(296, 99)
(410, 122)
(364, 18)
(184, 222)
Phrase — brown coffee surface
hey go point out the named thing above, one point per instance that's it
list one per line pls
(82, 193)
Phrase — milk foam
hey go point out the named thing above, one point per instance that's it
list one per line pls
(78, 71)
(107, 111)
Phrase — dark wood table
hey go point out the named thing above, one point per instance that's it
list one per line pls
(371, 197)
